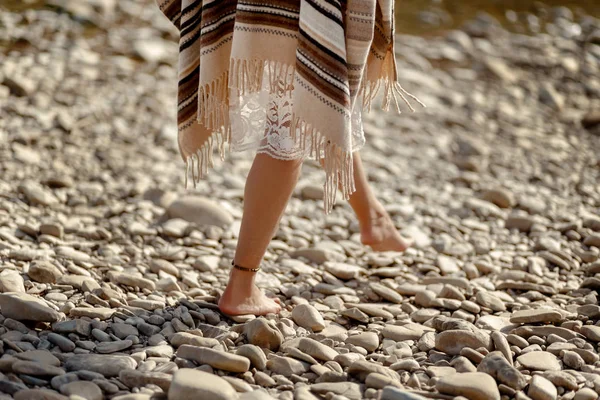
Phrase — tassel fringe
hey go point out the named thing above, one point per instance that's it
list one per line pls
(246, 76)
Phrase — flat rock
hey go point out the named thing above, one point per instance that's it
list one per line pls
(107, 365)
(84, 389)
(102, 313)
(592, 332)
(363, 368)
(546, 330)
(318, 256)
(22, 306)
(44, 272)
(201, 211)
(317, 350)
(121, 330)
(181, 338)
(214, 358)
(536, 316)
(261, 333)
(133, 378)
(405, 332)
(348, 390)
(539, 361)
(113, 347)
(385, 292)
(343, 270)
(472, 385)
(287, 366)
(373, 310)
(191, 384)
(541, 388)
(79, 326)
(367, 340)
(392, 393)
(36, 369)
(39, 356)
(39, 394)
(453, 341)
(131, 280)
(499, 368)
(254, 354)
(11, 281)
(308, 317)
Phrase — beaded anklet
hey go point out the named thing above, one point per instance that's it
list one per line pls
(244, 268)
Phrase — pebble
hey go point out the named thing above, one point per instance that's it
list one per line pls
(39, 356)
(585, 394)
(254, 354)
(107, 365)
(44, 272)
(367, 340)
(102, 313)
(113, 347)
(541, 388)
(260, 333)
(83, 389)
(308, 317)
(316, 349)
(123, 330)
(38, 394)
(214, 358)
(22, 306)
(348, 390)
(405, 332)
(536, 316)
(539, 361)
(11, 281)
(343, 270)
(453, 341)
(36, 369)
(181, 338)
(190, 384)
(286, 366)
(472, 385)
(392, 393)
(386, 293)
(201, 211)
(133, 378)
(498, 367)
(592, 332)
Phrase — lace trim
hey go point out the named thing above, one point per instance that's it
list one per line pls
(262, 121)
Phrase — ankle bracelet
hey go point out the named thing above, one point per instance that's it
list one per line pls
(244, 268)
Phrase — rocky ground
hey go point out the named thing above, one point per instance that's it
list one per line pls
(110, 270)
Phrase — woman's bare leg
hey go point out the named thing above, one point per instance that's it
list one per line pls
(377, 229)
(268, 189)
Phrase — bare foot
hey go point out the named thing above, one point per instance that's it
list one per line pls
(381, 235)
(241, 297)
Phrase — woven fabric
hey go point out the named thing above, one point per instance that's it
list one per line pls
(326, 56)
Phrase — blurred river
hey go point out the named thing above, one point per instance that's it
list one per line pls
(431, 17)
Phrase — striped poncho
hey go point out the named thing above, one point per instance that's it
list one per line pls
(326, 56)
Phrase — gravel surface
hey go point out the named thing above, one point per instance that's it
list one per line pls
(110, 271)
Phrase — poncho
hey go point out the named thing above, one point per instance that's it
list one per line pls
(310, 64)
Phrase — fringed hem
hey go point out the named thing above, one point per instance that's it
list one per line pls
(391, 88)
(246, 76)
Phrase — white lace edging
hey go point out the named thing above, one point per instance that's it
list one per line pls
(261, 122)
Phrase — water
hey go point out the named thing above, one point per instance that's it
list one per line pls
(430, 17)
